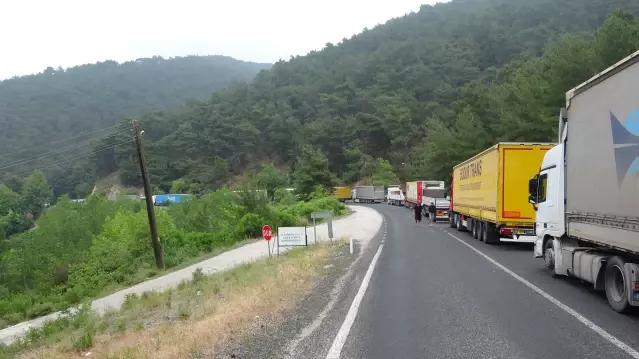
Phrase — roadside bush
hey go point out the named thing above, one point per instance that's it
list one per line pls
(250, 226)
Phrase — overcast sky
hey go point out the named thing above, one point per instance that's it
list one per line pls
(40, 33)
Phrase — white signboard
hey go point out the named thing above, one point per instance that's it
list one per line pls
(291, 236)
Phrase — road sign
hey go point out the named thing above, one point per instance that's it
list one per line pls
(266, 232)
(291, 236)
(315, 215)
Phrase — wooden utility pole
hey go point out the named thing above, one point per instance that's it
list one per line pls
(148, 195)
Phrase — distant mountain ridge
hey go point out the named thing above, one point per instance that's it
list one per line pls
(60, 103)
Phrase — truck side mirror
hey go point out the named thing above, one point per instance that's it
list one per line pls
(532, 187)
(532, 199)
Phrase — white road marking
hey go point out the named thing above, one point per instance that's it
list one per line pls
(338, 343)
(597, 329)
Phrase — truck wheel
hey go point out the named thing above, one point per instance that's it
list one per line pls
(615, 283)
(549, 258)
(459, 223)
(451, 220)
(482, 231)
(490, 235)
(475, 229)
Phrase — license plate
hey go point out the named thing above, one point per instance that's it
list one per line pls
(525, 232)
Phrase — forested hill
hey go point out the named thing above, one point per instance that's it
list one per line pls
(58, 103)
(439, 72)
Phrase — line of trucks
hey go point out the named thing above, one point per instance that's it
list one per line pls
(577, 200)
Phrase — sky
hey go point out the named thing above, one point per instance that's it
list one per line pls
(41, 33)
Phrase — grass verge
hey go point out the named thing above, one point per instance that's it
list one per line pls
(189, 321)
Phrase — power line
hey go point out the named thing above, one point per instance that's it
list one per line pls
(60, 162)
(56, 142)
(57, 163)
(63, 149)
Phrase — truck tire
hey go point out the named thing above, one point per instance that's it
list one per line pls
(549, 258)
(490, 235)
(451, 220)
(459, 223)
(475, 227)
(615, 284)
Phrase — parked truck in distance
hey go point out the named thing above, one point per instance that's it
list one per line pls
(488, 192)
(368, 194)
(342, 194)
(395, 196)
(586, 191)
(427, 192)
(167, 199)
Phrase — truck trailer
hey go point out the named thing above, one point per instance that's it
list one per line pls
(586, 192)
(395, 196)
(368, 194)
(427, 192)
(489, 197)
(342, 194)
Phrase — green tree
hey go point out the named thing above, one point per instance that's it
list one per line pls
(383, 174)
(82, 190)
(270, 179)
(35, 193)
(311, 170)
(179, 186)
(9, 200)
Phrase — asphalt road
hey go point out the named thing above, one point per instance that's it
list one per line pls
(430, 296)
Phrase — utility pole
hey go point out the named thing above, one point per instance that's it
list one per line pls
(148, 195)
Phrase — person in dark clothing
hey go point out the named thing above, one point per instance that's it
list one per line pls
(431, 213)
(418, 213)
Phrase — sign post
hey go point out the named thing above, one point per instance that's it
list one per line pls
(329, 217)
(267, 234)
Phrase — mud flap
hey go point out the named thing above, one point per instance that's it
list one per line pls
(632, 273)
(539, 247)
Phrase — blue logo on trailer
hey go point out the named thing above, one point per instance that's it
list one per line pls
(625, 139)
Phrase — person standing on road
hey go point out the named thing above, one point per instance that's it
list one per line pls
(418, 214)
(431, 213)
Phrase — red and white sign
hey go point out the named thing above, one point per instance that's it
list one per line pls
(266, 232)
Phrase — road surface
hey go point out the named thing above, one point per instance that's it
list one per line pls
(432, 296)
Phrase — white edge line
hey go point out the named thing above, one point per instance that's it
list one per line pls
(338, 343)
(597, 329)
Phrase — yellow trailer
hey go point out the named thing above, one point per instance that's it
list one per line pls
(489, 195)
(341, 193)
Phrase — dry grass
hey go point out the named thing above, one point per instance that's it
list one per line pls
(199, 315)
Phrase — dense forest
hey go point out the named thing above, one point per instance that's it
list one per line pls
(61, 103)
(421, 91)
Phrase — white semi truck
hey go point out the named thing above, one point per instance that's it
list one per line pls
(586, 193)
(395, 196)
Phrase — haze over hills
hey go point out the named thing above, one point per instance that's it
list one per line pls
(446, 72)
(57, 104)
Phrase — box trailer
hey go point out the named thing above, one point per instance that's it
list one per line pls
(395, 196)
(489, 197)
(342, 193)
(587, 190)
(427, 192)
(368, 194)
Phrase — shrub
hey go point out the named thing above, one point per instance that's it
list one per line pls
(250, 226)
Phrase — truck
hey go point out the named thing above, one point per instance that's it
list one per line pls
(166, 199)
(488, 192)
(427, 192)
(586, 191)
(394, 196)
(368, 194)
(341, 193)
